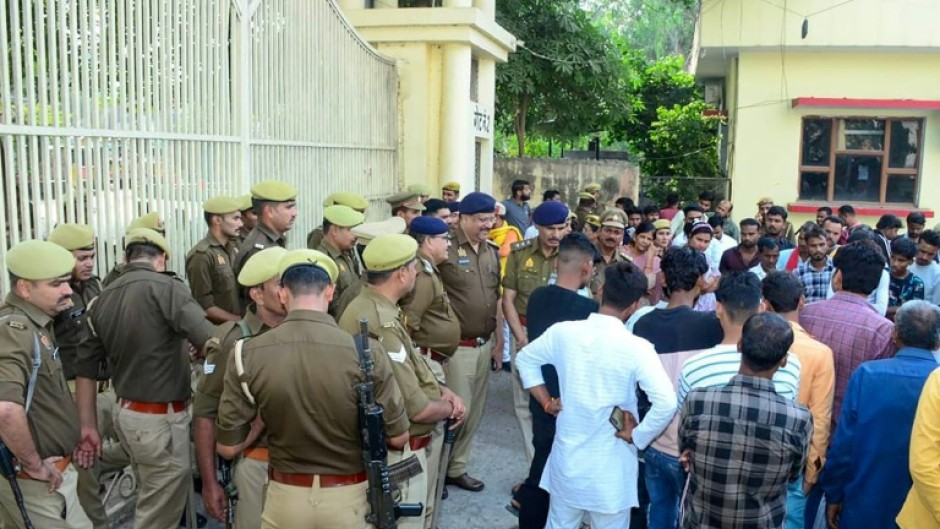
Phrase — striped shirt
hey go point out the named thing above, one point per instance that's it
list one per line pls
(717, 366)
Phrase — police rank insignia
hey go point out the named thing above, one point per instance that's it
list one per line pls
(221, 259)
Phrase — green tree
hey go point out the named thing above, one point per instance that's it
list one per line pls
(655, 28)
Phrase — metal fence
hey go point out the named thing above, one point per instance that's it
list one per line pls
(113, 108)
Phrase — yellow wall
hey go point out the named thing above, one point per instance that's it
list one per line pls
(765, 130)
(861, 23)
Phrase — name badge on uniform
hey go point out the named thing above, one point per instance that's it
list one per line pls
(208, 368)
(399, 356)
(463, 261)
(221, 259)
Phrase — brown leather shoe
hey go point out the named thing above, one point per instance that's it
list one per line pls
(465, 482)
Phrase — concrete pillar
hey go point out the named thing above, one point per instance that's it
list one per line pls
(486, 94)
(456, 139)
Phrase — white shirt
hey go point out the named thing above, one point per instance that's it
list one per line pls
(759, 272)
(531, 232)
(930, 275)
(643, 311)
(718, 247)
(599, 366)
(718, 365)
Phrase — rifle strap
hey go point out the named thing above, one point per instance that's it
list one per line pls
(34, 376)
(404, 470)
(240, 370)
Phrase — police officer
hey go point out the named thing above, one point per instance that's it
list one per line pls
(587, 205)
(37, 412)
(209, 263)
(432, 323)
(249, 219)
(137, 326)
(450, 192)
(405, 204)
(260, 277)
(392, 267)
(70, 330)
(275, 204)
(151, 221)
(352, 200)
(609, 240)
(471, 278)
(531, 264)
(422, 190)
(339, 243)
(299, 379)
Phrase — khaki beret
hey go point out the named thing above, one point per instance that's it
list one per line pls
(244, 202)
(586, 196)
(388, 252)
(592, 188)
(73, 236)
(451, 186)
(273, 191)
(368, 231)
(765, 200)
(421, 189)
(147, 236)
(352, 200)
(36, 260)
(405, 199)
(593, 220)
(221, 205)
(343, 216)
(308, 257)
(662, 224)
(150, 221)
(614, 218)
(261, 266)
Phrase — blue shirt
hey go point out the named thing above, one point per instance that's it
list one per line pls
(867, 465)
(517, 215)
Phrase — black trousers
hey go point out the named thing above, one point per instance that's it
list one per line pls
(534, 501)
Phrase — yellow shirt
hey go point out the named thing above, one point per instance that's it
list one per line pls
(817, 386)
(922, 508)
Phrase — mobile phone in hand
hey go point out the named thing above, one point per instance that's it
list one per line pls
(616, 418)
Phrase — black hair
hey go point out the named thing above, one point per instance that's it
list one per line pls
(749, 222)
(140, 250)
(651, 209)
(904, 247)
(633, 211)
(860, 264)
(739, 295)
(583, 201)
(887, 222)
(767, 243)
(672, 199)
(834, 219)
(208, 217)
(811, 230)
(257, 205)
(692, 207)
(683, 267)
(626, 202)
(825, 209)
(419, 237)
(846, 210)
(624, 284)
(305, 279)
(576, 247)
(777, 211)
(716, 222)
(783, 291)
(706, 195)
(916, 217)
(518, 185)
(549, 194)
(433, 205)
(765, 341)
(378, 278)
(326, 226)
(860, 233)
(644, 227)
(931, 237)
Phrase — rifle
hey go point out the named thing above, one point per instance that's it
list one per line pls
(231, 493)
(384, 510)
(9, 469)
(450, 436)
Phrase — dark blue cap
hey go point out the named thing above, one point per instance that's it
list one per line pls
(454, 206)
(550, 213)
(427, 226)
(477, 202)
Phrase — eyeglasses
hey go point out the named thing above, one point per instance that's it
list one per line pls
(485, 220)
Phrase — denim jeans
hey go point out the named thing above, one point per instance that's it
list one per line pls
(665, 480)
(796, 505)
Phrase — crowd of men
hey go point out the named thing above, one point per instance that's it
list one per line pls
(670, 366)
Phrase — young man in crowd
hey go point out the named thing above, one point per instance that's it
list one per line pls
(651, 213)
(905, 285)
(867, 478)
(777, 226)
(741, 442)
(916, 222)
(816, 272)
(671, 209)
(769, 253)
(692, 214)
(744, 256)
(849, 220)
(821, 215)
(721, 241)
(925, 266)
(832, 226)
(886, 230)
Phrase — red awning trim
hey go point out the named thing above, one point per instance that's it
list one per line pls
(847, 102)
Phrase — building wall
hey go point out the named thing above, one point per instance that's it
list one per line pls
(765, 147)
(617, 178)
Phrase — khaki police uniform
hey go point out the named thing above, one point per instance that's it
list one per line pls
(527, 268)
(53, 423)
(597, 281)
(432, 323)
(138, 325)
(301, 377)
(259, 238)
(350, 272)
(471, 278)
(211, 276)
(417, 383)
(251, 471)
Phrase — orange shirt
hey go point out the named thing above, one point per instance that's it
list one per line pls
(817, 386)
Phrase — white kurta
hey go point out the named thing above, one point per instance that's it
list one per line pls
(599, 365)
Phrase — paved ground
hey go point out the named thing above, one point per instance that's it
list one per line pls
(497, 459)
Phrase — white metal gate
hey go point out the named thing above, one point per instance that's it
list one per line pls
(114, 108)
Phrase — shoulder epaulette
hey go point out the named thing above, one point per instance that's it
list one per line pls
(521, 245)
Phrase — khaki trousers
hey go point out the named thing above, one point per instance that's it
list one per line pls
(251, 480)
(159, 449)
(433, 454)
(520, 405)
(290, 507)
(113, 458)
(45, 510)
(468, 375)
(415, 490)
